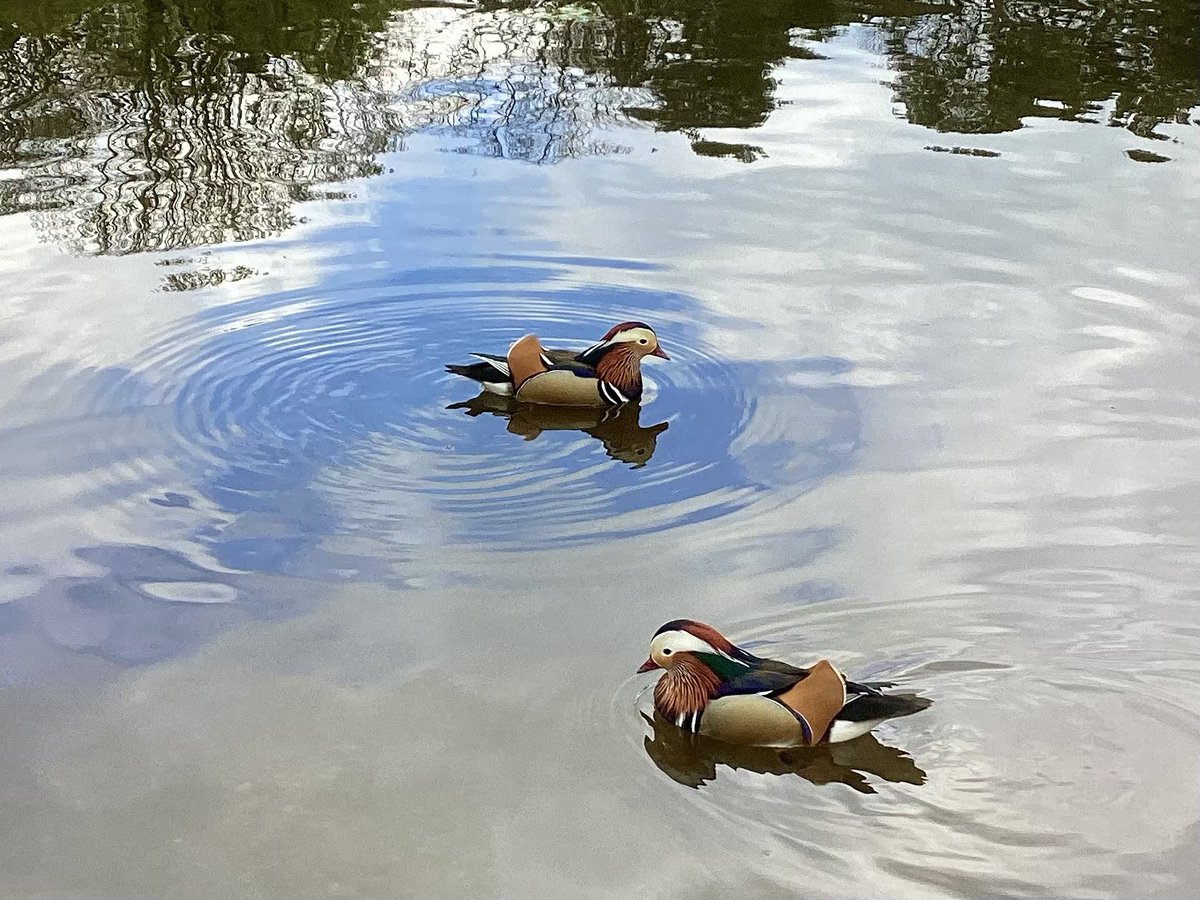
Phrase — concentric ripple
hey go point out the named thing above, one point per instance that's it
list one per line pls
(314, 415)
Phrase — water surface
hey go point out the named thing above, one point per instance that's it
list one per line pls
(284, 610)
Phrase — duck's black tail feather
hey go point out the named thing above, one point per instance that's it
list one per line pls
(479, 371)
(883, 706)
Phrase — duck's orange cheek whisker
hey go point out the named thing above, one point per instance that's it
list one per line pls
(648, 666)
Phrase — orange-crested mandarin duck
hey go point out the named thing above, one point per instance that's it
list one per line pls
(605, 374)
(714, 688)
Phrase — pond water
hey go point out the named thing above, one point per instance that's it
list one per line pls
(284, 610)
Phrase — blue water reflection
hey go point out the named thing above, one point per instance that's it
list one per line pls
(306, 410)
(313, 435)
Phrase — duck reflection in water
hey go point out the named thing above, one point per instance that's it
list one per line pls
(692, 759)
(618, 428)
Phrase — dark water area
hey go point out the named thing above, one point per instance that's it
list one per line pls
(286, 609)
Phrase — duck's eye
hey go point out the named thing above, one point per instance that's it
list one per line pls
(666, 651)
(641, 340)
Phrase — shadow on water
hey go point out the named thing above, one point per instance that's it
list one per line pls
(693, 760)
(159, 125)
(619, 429)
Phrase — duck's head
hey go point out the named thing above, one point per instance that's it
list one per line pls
(679, 637)
(637, 338)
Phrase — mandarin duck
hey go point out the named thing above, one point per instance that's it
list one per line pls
(714, 688)
(618, 428)
(605, 374)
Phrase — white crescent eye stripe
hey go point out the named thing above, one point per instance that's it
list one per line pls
(681, 641)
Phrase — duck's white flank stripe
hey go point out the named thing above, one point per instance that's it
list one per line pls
(611, 394)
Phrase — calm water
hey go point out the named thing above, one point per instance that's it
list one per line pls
(284, 610)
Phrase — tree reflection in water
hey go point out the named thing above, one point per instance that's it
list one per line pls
(133, 132)
(982, 65)
(163, 124)
(130, 131)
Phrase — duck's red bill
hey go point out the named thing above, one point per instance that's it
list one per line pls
(660, 353)
(648, 666)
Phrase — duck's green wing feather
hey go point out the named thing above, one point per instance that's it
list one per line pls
(583, 370)
(777, 676)
(562, 357)
(759, 680)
